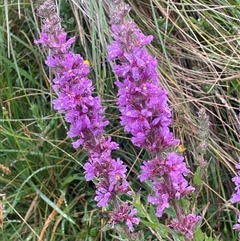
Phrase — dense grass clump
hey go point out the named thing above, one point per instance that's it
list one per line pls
(43, 192)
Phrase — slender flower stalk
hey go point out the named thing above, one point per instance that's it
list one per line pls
(146, 115)
(204, 133)
(84, 112)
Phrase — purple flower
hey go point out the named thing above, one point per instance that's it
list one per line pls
(132, 220)
(237, 226)
(57, 41)
(113, 169)
(186, 225)
(167, 178)
(103, 195)
(161, 197)
(52, 61)
(43, 39)
(114, 50)
(111, 173)
(236, 196)
(151, 169)
(84, 112)
(90, 171)
(124, 214)
(75, 91)
(176, 169)
(169, 173)
(60, 42)
(145, 115)
(145, 112)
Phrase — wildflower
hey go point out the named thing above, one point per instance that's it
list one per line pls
(124, 213)
(186, 225)
(145, 113)
(111, 173)
(167, 178)
(236, 196)
(57, 41)
(141, 100)
(82, 110)
(237, 225)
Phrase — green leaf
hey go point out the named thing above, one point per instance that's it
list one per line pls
(163, 230)
(177, 237)
(149, 224)
(170, 212)
(209, 239)
(153, 214)
(199, 235)
(53, 205)
(197, 177)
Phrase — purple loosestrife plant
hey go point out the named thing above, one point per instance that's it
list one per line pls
(85, 114)
(146, 115)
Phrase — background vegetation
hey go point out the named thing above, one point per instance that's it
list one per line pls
(43, 194)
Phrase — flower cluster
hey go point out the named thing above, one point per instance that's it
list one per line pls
(75, 91)
(167, 176)
(142, 103)
(82, 110)
(236, 196)
(146, 115)
(185, 225)
(124, 214)
(110, 173)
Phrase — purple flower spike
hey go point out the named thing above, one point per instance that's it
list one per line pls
(83, 111)
(167, 176)
(146, 115)
(141, 100)
(111, 173)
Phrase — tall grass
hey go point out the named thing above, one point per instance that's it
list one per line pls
(197, 46)
(45, 192)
